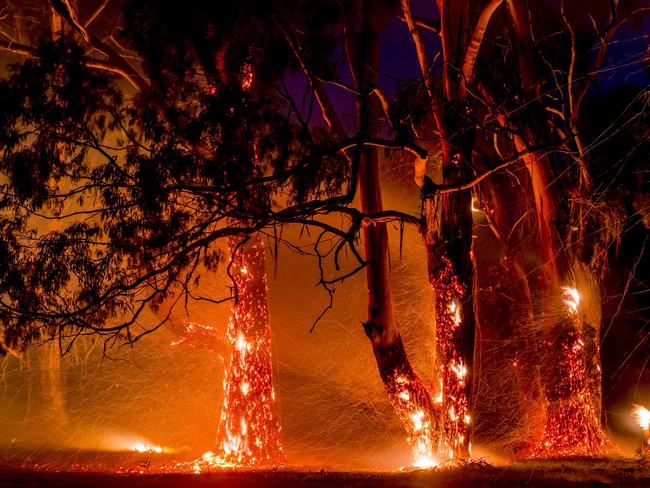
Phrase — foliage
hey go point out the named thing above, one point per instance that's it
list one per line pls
(139, 193)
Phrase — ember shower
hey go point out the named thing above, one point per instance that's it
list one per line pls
(284, 233)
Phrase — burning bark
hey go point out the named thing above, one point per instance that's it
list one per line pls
(569, 310)
(249, 432)
(450, 274)
(406, 392)
(571, 372)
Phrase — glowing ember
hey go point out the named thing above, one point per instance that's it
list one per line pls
(411, 402)
(247, 77)
(573, 421)
(249, 433)
(453, 369)
(642, 416)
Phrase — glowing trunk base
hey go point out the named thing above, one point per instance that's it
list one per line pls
(249, 433)
(573, 421)
(573, 426)
(412, 403)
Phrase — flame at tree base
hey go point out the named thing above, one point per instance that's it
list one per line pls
(571, 431)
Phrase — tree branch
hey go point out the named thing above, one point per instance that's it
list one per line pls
(418, 151)
(125, 72)
(471, 53)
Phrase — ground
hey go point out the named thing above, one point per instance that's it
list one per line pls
(550, 473)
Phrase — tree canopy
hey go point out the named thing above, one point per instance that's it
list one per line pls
(149, 132)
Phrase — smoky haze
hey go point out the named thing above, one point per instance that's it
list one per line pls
(167, 391)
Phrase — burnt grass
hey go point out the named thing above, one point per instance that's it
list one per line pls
(612, 471)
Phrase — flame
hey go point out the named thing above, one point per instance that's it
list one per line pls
(422, 441)
(411, 402)
(148, 448)
(425, 462)
(642, 416)
(454, 310)
(460, 370)
(571, 299)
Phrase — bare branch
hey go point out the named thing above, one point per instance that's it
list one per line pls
(97, 11)
(418, 151)
(426, 24)
(68, 11)
(471, 53)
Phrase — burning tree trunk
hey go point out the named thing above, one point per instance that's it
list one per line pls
(249, 433)
(571, 363)
(409, 397)
(448, 218)
(448, 238)
(570, 304)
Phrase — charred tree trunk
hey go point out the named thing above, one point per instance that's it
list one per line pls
(249, 432)
(569, 308)
(448, 217)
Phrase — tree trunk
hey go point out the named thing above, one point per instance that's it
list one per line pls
(410, 399)
(51, 381)
(249, 432)
(511, 318)
(571, 373)
(448, 240)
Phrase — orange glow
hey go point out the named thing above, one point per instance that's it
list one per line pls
(144, 447)
(573, 423)
(571, 298)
